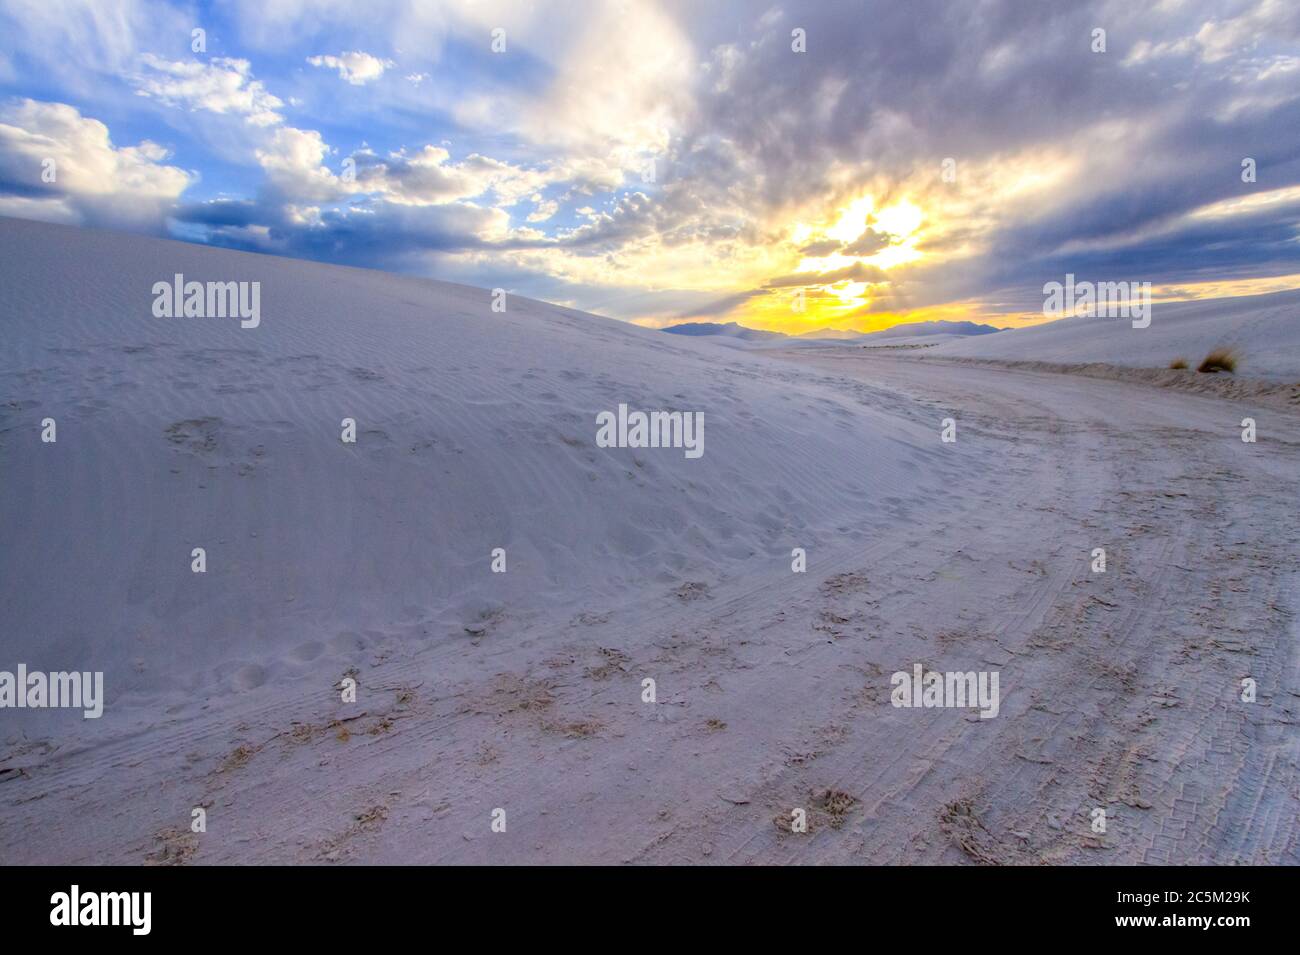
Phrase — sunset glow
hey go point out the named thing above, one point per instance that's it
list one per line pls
(660, 164)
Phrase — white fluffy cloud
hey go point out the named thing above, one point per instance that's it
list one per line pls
(222, 85)
(356, 67)
(619, 122)
(93, 182)
(543, 210)
(294, 163)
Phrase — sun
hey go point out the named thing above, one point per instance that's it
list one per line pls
(902, 219)
(852, 220)
(890, 235)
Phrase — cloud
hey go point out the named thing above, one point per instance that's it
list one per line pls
(221, 85)
(869, 243)
(94, 182)
(294, 164)
(429, 176)
(624, 121)
(1056, 146)
(356, 67)
(821, 248)
(369, 232)
(857, 272)
(1217, 37)
(544, 209)
(79, 42)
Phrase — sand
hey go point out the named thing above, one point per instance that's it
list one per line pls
(525, 691)
(1264, 330)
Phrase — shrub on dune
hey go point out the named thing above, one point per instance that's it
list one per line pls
(1178, 363)
(1220, 359)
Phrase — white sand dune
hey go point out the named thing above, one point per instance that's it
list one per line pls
(721, 330)
(1264, 330)
(475, 431)
(1119, 690)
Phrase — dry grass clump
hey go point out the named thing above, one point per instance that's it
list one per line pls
(1178, 364)
(1219, 359)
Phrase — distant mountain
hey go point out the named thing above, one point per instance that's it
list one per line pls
(737, 332)
(730, 329)
(918, 329)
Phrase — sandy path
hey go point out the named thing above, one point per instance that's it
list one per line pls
(1118, 690)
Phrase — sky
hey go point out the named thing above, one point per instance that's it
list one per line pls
(794, 166)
